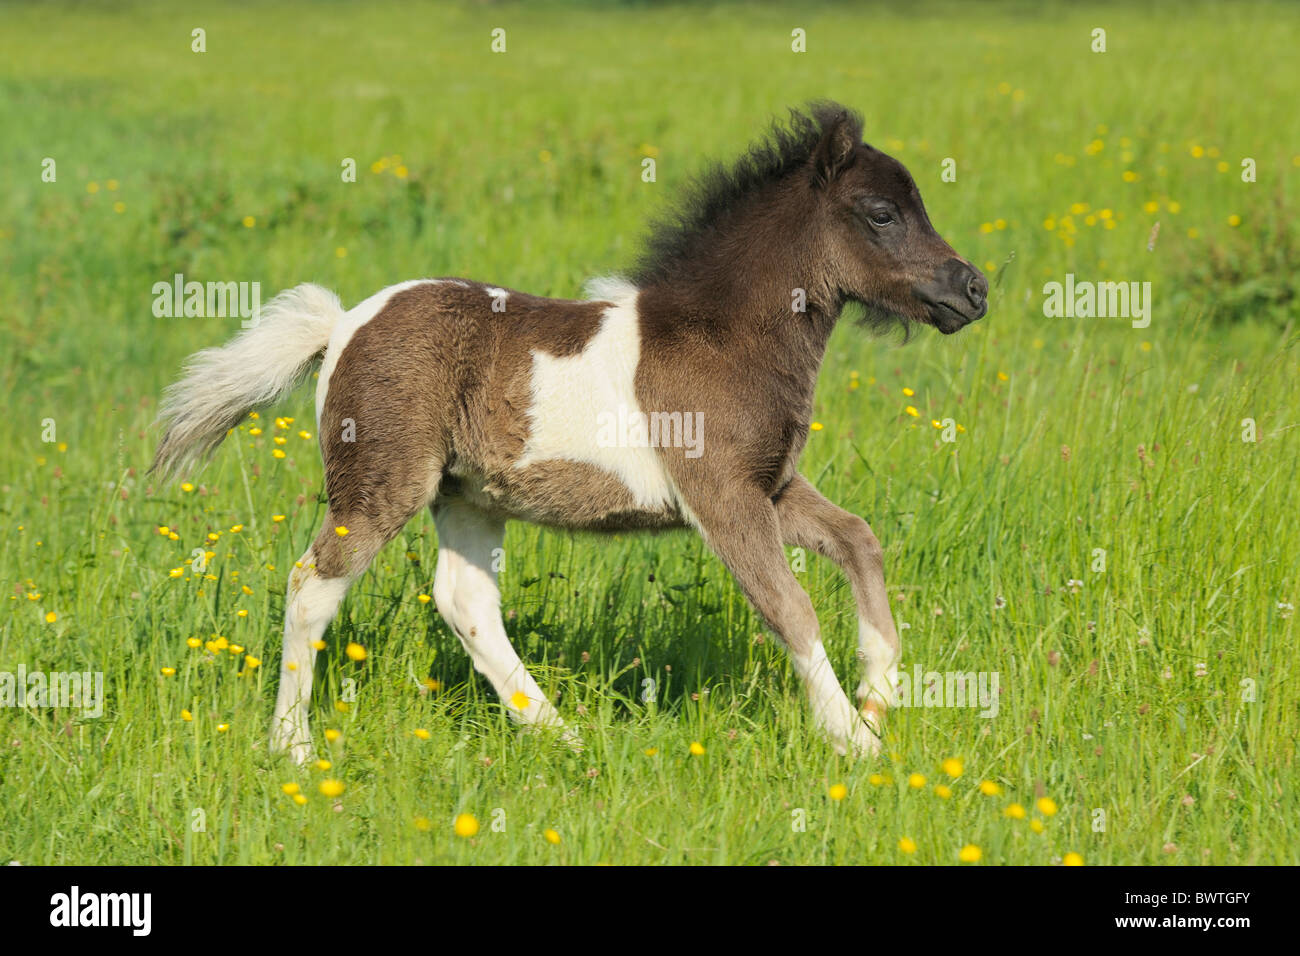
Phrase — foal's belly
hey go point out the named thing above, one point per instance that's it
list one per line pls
(558, 493)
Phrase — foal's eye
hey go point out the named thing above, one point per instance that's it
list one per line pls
(881, 217)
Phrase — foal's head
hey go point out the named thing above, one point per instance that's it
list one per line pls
(875, 237)
(815, 207)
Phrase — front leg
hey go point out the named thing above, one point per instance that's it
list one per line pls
(808, 520)
(743, 530)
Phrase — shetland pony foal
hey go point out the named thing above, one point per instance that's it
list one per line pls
(484, 404)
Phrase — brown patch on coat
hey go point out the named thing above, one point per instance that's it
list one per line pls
(437, 387)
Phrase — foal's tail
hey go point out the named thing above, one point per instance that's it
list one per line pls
(221, 385)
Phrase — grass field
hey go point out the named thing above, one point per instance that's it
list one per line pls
(1100, 534)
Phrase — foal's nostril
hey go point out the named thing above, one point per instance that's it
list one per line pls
(977, 287)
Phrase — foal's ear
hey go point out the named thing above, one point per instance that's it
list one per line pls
(840, 136)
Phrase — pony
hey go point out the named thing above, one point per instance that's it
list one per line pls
(486, 404)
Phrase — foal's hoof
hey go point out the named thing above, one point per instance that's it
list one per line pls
(298, 751)
(862, 742)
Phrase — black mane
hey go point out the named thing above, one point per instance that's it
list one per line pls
(709, 196)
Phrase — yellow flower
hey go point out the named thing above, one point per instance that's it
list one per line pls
(235, 529)
(908, 392)
(332, 735)
(916, 781)
(194, 642)
(1036, 825)
(1130, 176)
(168, 671)
(953, 767)
(970, 853)
(1072, 859)
(421, 733)
(552, 837)
(355, 651)
(423, 824)
(1197, 151)
(422, 598)
(51, 617)
(986, 227)
(911, 410)
(816, 426)
(838, 791)
(519, 700)
(290, 788)
(331, 787)
(249, 222)
(222, 728)
(1049, 223)
(340, 531)
(1151, 206)
(999, 224)
(876, 779)
(299, 799)
(175, 572)
(246, 589)
(989, 788)
(1234, 220)
(186, 715)
(255, 432)
(907, 845)
(187, 487)
(277, 453)
(304, 435)
(1015, 811)
(252, 662)
(942, 791)
(465, 825)
(242, 612)
(277, 518)
(1046, 806)
(697, 749)
(651, 751)
(323, 765)
(318, 645)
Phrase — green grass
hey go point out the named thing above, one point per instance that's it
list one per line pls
(524, 169)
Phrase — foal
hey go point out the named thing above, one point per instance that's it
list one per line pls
(485, 404)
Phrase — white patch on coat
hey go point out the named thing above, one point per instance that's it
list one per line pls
(310, 604)
(571, 397)
(880, 670)
(835, 715)
(467, 597)
(347, 327)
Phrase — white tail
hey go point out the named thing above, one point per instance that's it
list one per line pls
(222, 385)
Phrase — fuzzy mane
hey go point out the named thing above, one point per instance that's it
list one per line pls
(720, 189)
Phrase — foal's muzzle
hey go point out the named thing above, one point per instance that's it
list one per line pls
(956, 296)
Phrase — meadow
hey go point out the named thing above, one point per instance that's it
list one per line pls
(1111, 529)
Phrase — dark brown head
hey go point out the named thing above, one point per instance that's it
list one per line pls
(877, 240)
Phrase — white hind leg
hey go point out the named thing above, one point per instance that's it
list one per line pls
(310, 604)
(465, 589)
